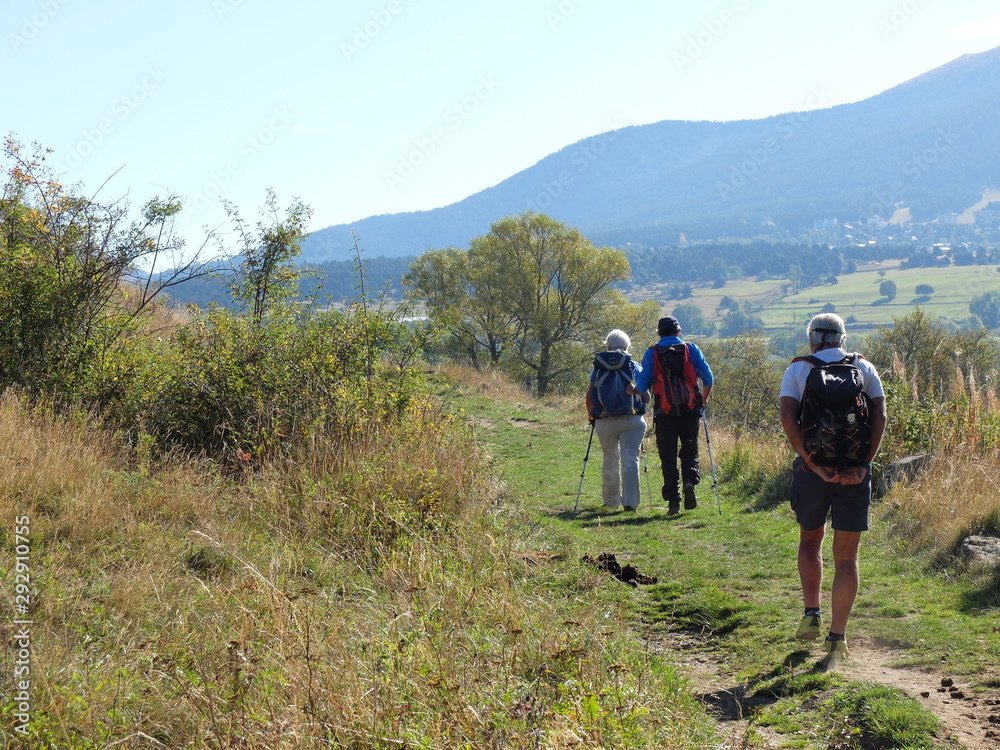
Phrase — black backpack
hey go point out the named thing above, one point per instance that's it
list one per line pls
(675, 383)
(835, 414)
(614, 374)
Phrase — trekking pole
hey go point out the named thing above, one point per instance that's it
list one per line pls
(645, 470)
(584, 469)
(711, 462)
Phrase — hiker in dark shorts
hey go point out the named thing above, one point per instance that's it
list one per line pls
(842, 492)
(676, 419)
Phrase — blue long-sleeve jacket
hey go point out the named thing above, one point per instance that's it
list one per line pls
(701, 368)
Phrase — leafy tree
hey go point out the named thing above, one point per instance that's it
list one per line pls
(464, 294)
(929, 356)
(924, 290)
(548, 290)
(738, 322)
(795, 277)
(887, 289)
(267, 275)
(693, 320)
(987, 308)
(748, 379)
(72, 294)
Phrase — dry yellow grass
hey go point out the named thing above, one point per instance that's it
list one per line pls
(955, 496)
(383, 604)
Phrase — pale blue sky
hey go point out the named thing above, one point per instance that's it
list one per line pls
(385, 106)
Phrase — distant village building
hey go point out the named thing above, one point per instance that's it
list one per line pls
(988, 217)
(824, 225)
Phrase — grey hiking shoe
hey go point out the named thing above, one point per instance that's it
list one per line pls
(690, 501)
(809, 628)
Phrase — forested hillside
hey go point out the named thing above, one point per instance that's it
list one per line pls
(928, 146)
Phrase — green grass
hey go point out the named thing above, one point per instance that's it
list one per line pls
(727, 581)
(855, 294)
(858, 295)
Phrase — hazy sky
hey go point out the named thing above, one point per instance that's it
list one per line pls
(366, 108)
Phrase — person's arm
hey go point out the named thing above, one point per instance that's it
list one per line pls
(878, 426)
(789, 411)
(857, 474)
(589, 401)
(643, 378)
(702, 370)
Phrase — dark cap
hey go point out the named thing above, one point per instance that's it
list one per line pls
(668, 326)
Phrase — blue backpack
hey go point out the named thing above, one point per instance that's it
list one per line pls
(613, 374)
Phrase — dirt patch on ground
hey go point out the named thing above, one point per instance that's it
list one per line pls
(966, 716)
(971, 717)
(528, 424)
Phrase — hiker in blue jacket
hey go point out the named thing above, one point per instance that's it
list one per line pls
(618, 421)
(672, 368)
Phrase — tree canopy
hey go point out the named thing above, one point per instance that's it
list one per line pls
(532, 295)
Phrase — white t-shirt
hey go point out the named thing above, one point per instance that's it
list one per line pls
(793, 382)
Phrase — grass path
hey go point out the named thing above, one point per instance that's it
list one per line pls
(728, 596)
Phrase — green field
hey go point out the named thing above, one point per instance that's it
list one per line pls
(855, 295)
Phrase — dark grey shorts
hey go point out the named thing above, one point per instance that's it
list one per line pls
(813, 499)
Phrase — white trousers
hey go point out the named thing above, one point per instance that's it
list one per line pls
(621, 442)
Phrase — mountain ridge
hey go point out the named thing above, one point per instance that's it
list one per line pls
(926, 144)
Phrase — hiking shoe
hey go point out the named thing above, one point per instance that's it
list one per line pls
(836, 652)
(629, 508)
(674, 507)
(690, 501)
(809, 628)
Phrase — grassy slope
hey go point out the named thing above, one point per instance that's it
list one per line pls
(730, 577)
(177, 608)
(855, 294)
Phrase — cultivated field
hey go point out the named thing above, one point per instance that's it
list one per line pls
(855, 295)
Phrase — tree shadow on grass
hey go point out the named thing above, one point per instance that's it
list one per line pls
(920, 300)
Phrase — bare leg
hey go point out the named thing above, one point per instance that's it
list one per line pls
(811, 564)
(845, 578)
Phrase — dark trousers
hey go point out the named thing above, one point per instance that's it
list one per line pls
(672, 428)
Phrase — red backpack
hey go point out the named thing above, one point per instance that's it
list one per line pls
(675, 383)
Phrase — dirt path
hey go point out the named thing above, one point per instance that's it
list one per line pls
(970, 718)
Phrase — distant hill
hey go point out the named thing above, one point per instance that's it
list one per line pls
(929, 146)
